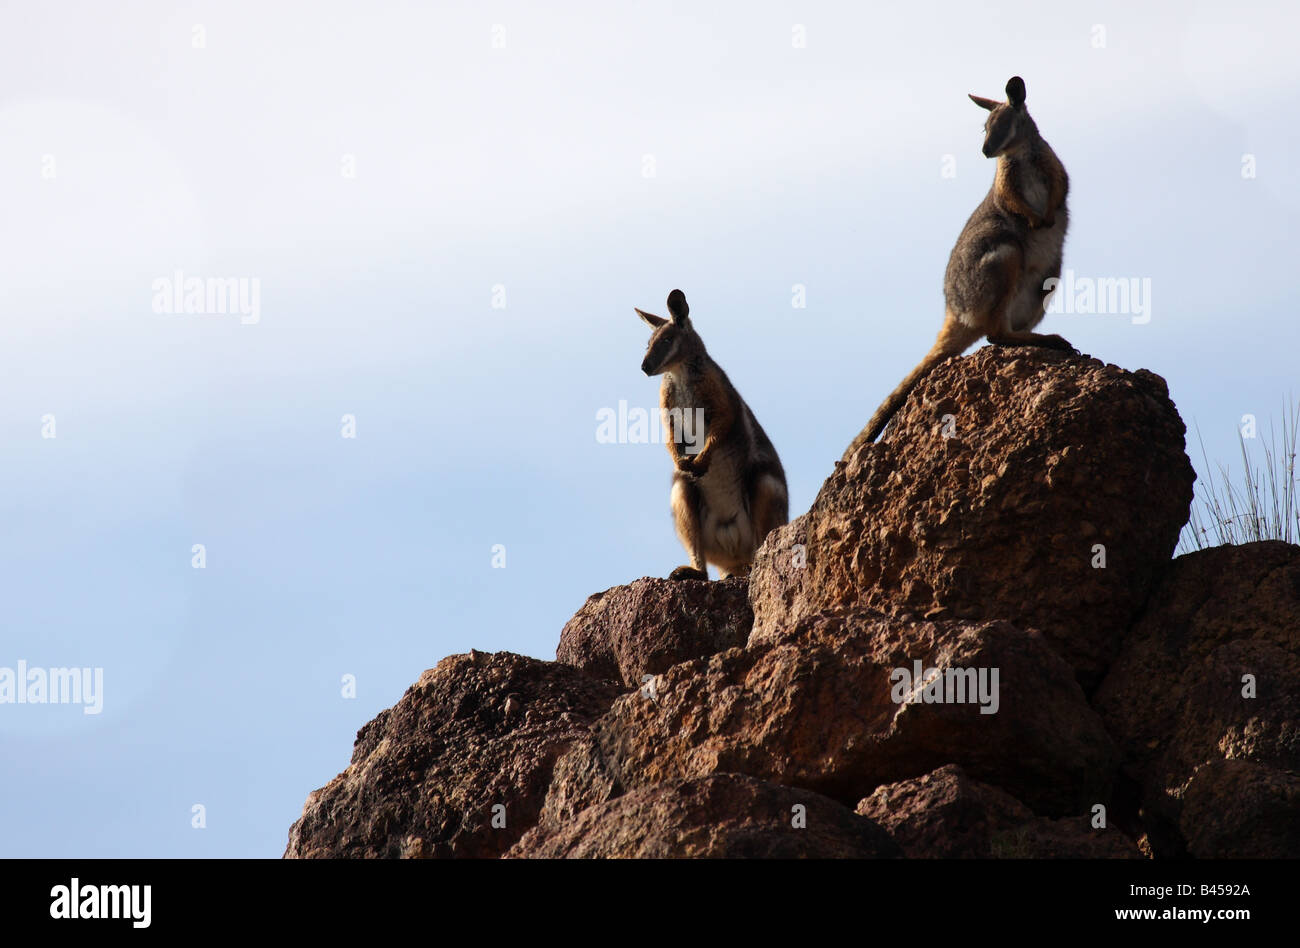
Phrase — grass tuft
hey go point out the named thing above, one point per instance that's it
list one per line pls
(1263, 505)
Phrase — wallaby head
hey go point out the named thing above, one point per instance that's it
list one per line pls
(1008, 126)
(674, 340)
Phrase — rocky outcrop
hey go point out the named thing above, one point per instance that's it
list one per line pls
(995, 494)
(1211, 674)
(821, 706)
(722, 816)
(947, 815)
(652, 624)
(458, 767)
(1018, 519)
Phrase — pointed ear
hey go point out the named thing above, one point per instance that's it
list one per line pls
(651, 320)
(1016, 91)
(677, 306)
(984, 103)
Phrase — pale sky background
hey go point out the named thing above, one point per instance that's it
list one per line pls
(521, 167)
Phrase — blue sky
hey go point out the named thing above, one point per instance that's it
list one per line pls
(130, 152)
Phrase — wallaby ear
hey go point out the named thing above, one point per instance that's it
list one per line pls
(984, 103)
(1016, 91)
(650, 319)
(677, 306)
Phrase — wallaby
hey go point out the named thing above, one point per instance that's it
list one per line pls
(1010, 247)
(729, 492)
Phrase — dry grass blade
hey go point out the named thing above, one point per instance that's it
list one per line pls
(1263, 505)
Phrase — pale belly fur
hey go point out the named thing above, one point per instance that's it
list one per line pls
(727, 532)
(1044, 250)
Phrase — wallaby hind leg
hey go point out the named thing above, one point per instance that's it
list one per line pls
(686, 517)
(1000, 273)
(769, 507)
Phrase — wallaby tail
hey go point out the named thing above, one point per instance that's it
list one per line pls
(953, 340)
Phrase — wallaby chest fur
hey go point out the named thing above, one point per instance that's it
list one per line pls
(723, 491)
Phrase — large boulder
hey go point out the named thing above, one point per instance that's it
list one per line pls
(470, 746)
(722, 816)
(946, 814)
(650, 625)
(1210, 674)
(822, 707)
(1005, 482)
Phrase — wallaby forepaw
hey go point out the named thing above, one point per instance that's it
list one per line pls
(690, 464)
(688, 572)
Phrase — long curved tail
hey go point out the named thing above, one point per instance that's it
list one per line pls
(953, 340)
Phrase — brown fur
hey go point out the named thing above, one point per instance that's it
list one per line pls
(728, 495)
(1011, 245)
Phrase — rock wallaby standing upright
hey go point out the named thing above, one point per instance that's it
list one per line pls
(1008, 250)
(729, 491)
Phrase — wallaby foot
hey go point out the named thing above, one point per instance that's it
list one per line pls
(1045, 341)
(688, 572)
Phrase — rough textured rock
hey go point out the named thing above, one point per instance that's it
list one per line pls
(1238, 809)
(996, 515)
(967, 539)
(652, 624)
(476, 731)
(813, 707)
(1174, 698)
(580, 780)
(721, 816)
(946, 814)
